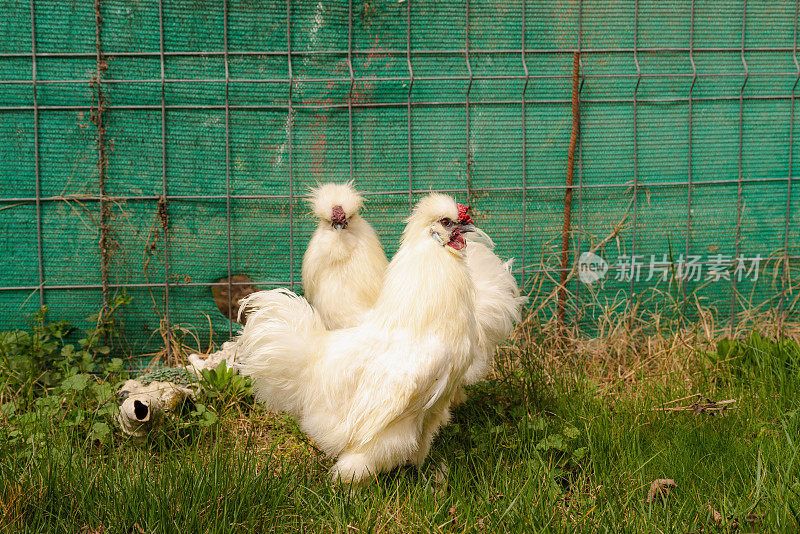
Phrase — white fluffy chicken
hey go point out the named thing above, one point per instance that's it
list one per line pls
(374, 395)
(498, 304)
(344, 263)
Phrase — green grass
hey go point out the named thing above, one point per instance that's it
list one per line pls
(529, 451)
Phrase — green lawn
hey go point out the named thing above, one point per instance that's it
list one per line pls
(540, 447)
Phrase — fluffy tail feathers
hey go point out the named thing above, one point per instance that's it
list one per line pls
(498, 305)
(282, 337)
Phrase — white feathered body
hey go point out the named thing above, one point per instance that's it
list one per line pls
(343, 271)
(373, 395)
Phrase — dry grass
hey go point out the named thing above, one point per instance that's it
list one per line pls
(654, 336)
(657, 339)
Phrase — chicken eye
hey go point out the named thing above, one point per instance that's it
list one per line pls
(447, 223)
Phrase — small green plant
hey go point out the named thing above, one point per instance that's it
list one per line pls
(28, 359)
(225, 383)
(222, 392)
(201, 415)
(50, 384)
(566, 448)
(31, 362)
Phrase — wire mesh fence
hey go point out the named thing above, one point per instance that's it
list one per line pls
(160, 146)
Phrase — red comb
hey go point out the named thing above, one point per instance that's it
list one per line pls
(463, 215)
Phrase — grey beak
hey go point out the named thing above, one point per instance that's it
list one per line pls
(338, 226)
(469, 227)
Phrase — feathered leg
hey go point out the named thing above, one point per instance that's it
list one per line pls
(352, 468)
(434, 420)
(391, 447)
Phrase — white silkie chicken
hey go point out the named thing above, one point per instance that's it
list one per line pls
(374, 395)
(344, 263)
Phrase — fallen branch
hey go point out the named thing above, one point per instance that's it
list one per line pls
(702, 405)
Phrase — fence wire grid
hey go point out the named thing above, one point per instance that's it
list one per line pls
(159, 146)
